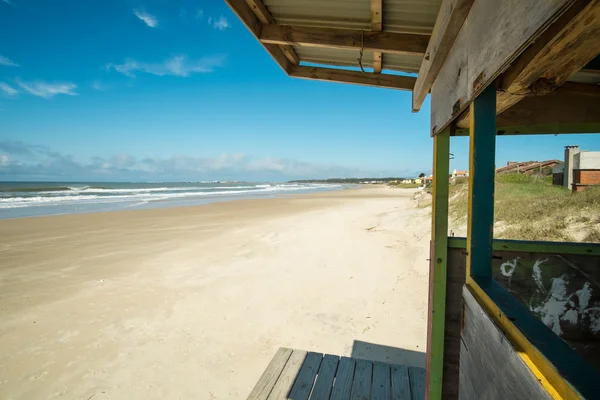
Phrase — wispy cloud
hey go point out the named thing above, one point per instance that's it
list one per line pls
(48, 89)
(96, 85)
(7, 89)
(8, 2)
(22, 160)
(220, 23)
(148, 19)
(176, 66)
(7, 62)
(200, 14)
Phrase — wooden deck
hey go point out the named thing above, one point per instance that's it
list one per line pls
(301, 375)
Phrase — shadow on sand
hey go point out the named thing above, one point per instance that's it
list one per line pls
(387, 354)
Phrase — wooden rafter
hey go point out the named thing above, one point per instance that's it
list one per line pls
(377, 26)
(562, 50)
(450, 19)
(263, 14)
(254, 25)
(572, 108)
(565, 106)
(356, 77)
(385, 42)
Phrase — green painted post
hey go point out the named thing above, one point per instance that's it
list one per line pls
(480, 227)
(437, 265)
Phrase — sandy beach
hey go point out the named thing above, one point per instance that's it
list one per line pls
(193, 302)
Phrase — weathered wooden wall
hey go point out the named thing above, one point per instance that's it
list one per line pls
(490, 368)
(561, 290)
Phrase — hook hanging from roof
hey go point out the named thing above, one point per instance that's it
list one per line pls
(362, 47)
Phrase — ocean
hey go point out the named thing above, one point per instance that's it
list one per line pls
(28, 199)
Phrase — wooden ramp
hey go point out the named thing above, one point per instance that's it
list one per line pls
(301, 375)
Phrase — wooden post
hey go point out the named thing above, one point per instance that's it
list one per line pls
(437, 266)
(482, 155)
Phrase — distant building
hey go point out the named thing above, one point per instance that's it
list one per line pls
(580, 169)
(527, 167)
(460, 174)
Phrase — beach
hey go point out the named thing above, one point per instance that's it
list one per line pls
(192, 302)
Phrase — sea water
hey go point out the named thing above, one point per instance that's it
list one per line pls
(27, 199)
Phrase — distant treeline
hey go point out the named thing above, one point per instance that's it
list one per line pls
(346, 180)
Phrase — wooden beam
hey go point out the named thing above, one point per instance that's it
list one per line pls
(482, 169)
(263, 14)
(356, 77)
(565, 48)
(377, 26)
(261, 11)
(494, 34)
(450, 19)
(560, 107)
(572, 108)
(385, 42)
(254, 25)
(438, 263)
(562, 50)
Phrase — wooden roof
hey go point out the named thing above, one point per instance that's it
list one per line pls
(524, 47)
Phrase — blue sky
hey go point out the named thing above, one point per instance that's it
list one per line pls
(180, 90)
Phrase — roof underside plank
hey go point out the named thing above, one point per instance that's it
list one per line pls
(415, 17)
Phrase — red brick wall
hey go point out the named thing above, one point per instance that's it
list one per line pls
(586, 176)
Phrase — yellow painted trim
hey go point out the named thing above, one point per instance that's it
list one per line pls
(471, 177)
(550, 379)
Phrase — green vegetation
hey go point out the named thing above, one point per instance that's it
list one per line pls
(531, 208)
(347, 180)
(404, 185)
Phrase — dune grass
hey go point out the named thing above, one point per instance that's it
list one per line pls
(531, 208)
(404, 185)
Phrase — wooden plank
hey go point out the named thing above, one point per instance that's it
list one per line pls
(325, 378)
(572, 108)
(455, 278)
(530, 276)
(449, 20)
(382, 384)
(306, 378)
(590, 249)
(438, 265)
(288, 375)
(267, 380)
(265, 17)
(452, 83)
(377, 26)
(386, 42)
(261, 11)
(489, 363)
(556, 108)
(356, 77)
(563, 49)
(400, 382)
(561, 372)
(254, 25)
(491, 38)
(417, 383)
(342, 387)
(361, 387)
(482, 155)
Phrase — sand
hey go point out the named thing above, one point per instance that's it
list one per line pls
(193, 302)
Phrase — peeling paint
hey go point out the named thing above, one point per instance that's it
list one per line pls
(570, 316)
(537, 274)
(555, 305)
(584, 294)
(512, 264)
